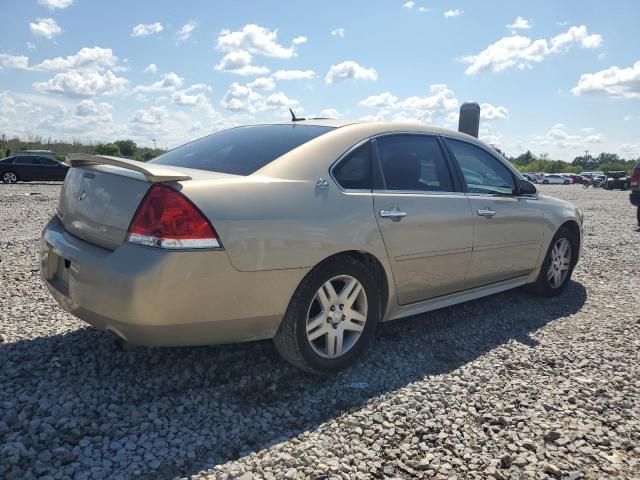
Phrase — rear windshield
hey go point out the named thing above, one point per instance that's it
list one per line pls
(242, 150)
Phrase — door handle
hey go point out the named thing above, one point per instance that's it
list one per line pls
(392, 214)
(486, 212)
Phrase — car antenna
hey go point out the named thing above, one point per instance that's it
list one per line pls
(294, 118)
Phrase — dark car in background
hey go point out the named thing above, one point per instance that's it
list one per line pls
(29, 168)
(634, 185)
(617, 180)
(578, 178)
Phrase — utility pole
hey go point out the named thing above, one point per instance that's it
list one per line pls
(586, 154)
(154, 143)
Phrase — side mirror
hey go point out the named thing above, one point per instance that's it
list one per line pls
(525, 187)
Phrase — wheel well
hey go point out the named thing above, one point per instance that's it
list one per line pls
(573, 227)
(376, 269)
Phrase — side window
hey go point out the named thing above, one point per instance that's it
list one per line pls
(25, 161)
(482, 172)
(47, 161)
(354, 171)
(413, 162)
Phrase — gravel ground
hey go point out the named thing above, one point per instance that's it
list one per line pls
(511, 386)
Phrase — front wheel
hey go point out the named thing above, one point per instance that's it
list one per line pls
(9, 177)
(638, 215)
(558, 264)
(567, 182)
(545, 182)
(331, 318)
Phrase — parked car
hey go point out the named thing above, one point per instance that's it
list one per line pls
(578, 178)
(634, 186)
(556, 178)
(617, 180)
(308, 233)
(25, 168)
(537, 177)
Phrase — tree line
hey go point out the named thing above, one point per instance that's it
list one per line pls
(605, 162)
(120, 148)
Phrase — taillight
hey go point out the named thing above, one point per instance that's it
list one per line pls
(167, 219)
(635, 177)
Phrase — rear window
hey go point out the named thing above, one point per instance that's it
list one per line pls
(242, 150)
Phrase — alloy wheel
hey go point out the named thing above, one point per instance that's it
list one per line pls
(560, 263)
(9, 177)
(336, 316)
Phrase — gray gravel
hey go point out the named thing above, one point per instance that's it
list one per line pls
(512, 386)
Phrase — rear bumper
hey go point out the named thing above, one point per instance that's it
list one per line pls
(635, 198)
(149, 296)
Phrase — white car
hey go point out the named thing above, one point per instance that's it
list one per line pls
(556, 178)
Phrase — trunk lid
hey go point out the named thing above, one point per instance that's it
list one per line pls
(100, 195)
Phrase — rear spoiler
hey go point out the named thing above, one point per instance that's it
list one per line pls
(152, 173)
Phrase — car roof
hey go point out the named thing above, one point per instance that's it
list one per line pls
(381, 127)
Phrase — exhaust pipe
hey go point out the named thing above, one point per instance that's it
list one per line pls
(469, 120)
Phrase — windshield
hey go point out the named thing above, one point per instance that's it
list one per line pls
(242, 150)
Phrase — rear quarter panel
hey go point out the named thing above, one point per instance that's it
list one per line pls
(270, 224)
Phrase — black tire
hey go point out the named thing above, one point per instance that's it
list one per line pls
(638, 214)
(545, 182)
(291, 338)
(542, 285)
(6, 175)
(567, 182)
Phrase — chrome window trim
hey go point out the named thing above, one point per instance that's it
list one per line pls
(422, 193)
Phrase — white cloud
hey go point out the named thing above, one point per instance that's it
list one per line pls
(95, 58)
(563, 41)
(300, 40)
(45, 27)
(384, 100)
(614, 81)
(146, 29)
(423, 9)
(239, 62)
(349, 70)
(14, 61)
(330, 113)
(254, 39)
(53, 4)
(489, 112)
(96, 112)
(440, 100)
(194, 95)
(453, 13)
(168, 82)
(519, 23)
(557, 137)
(263, 83)
(151, 116)
(520, 52)
(151, 68)
(186, 31)
(338, 32)
(294, 74)
(243, 98)
(83, 84)
(410, 4)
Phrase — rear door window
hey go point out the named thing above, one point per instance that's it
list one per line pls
(242, 150)
(413, 163)
(26, 161)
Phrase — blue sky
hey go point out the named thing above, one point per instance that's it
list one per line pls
(552, 76)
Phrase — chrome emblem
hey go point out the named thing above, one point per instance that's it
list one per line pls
(81, 195)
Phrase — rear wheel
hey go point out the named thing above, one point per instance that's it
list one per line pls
(567, 182)
(331, 318)
(638, 215)
(557, 268)
(545, 181)
(9, 177)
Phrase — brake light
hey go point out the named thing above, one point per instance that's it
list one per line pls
(635, 177)
(167, 219)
